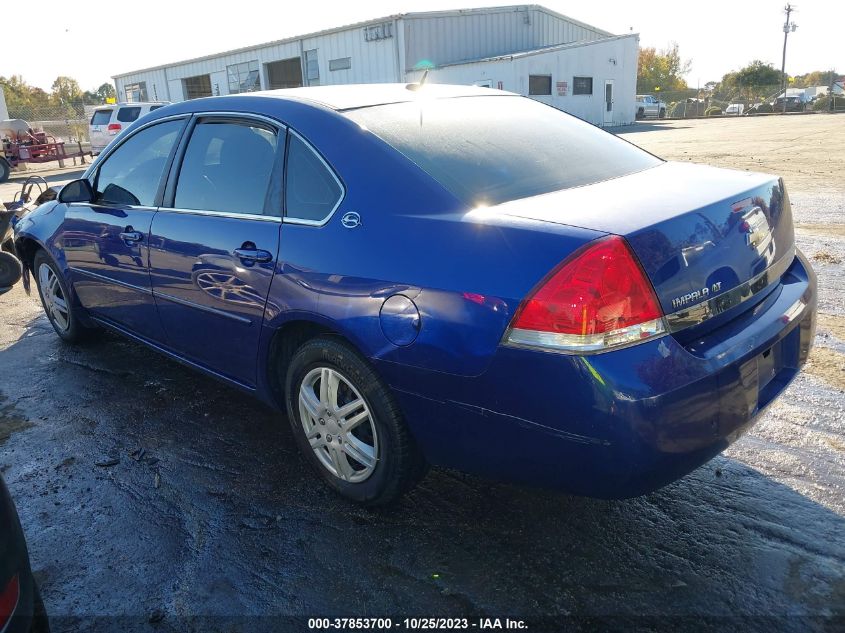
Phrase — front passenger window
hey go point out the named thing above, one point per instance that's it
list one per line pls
(130, 176)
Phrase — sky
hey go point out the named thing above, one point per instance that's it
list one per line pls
(95, 40)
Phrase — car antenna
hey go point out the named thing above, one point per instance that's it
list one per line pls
(421, 82)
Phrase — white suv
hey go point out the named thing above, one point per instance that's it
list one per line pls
(107, 121)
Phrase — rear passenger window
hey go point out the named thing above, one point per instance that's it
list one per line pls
(155, 107)
(132, 173)
(101, 117)
(227, 167)
(312, 192)
(128, 115)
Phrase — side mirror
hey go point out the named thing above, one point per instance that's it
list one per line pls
(77, 191)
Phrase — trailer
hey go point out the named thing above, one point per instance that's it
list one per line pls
(21, 144)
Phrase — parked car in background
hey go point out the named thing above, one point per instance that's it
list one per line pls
(735, 109)
(109, 120)
(650, 106)
(793, 104)
(439, 275)
(21, 608)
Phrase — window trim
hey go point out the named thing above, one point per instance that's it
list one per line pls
(301, 221)
(583, 94)
(93, 175)
(168, 198)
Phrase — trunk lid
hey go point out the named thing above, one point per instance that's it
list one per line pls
(698, 231)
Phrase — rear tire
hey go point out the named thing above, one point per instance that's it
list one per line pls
(58, 304)
(348, 424)
(5, 169)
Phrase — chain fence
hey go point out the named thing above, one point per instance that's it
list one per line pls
(66, 123)
(745, 100)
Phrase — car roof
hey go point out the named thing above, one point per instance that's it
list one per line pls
(352, 96)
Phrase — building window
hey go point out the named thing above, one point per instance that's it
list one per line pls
(342, 63)
(582, 85)
(135, 93)
(312, 68)
(243, 77)
(539, 84)
(197, 87)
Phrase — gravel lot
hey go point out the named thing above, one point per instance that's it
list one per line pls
(201, 515)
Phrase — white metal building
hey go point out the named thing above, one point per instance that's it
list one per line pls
(526, 49)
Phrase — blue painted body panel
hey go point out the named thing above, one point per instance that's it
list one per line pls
(613, 424)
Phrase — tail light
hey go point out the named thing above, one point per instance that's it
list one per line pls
(596, 300)
(114, 128)
(9, 600)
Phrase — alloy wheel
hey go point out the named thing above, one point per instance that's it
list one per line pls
(55, 302)
(338, 425)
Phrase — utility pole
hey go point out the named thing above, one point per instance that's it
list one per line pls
(787, 28)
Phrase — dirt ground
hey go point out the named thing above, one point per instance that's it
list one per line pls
(806, 150)
(156, 499)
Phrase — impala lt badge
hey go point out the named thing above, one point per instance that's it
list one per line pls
(696, 295)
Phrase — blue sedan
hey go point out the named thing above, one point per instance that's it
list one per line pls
(439, 275)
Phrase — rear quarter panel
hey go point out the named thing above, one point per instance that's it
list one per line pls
(466, 270)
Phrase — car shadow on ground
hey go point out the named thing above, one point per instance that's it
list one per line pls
(647, 126)
(149, 491)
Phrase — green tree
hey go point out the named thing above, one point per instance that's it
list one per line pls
(755, 77)
(815, 78)
(66, 91)
(661, 70)
(20, 95)
(106, 91)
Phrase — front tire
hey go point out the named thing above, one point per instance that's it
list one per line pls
(348, 425)
(58, 304)
(10, 269)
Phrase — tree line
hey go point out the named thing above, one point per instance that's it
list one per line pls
(64, 92)
(663, 71)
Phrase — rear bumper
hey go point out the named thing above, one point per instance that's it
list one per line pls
(618, 424)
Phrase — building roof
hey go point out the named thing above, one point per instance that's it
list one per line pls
(538, 51)
(388, 18)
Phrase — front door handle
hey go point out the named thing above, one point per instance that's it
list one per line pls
(131, 236)
(253, 255)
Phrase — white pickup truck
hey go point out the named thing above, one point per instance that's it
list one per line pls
(649, 106)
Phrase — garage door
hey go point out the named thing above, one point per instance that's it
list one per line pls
(196, 87)
(286, 73)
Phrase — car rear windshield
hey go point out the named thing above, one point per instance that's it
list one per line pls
(489, 150)
(101, 117)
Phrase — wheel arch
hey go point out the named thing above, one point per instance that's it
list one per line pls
(289, 335)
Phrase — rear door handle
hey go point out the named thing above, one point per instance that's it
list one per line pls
(132, 236)
(253, 255)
